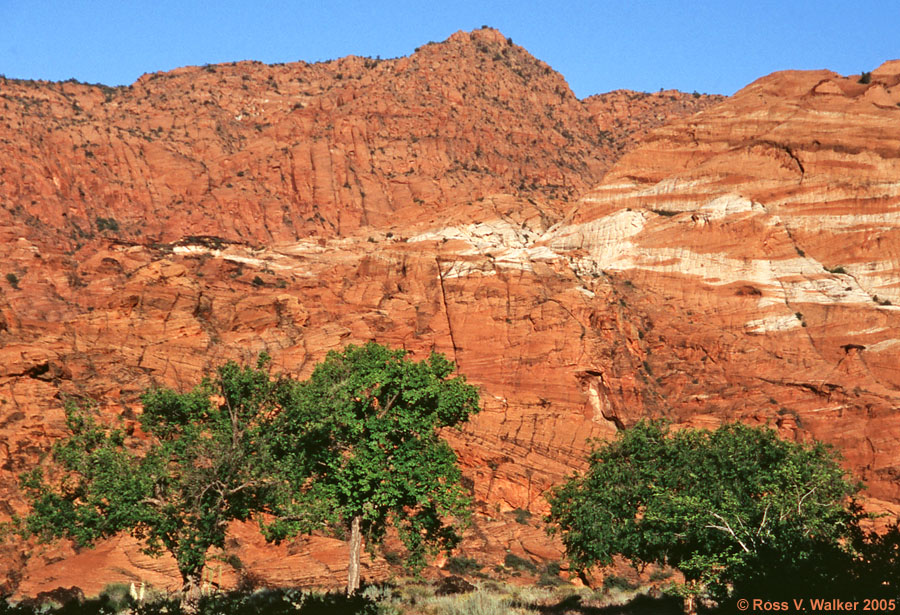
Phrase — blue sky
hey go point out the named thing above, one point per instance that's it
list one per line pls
(703, 45)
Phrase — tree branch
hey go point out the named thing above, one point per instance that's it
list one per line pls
(728, 530)
(800, 501)
(390, 403)
(765, 515)
(245, 485)
(154, 501)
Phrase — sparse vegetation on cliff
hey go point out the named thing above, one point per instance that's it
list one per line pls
(108, 224)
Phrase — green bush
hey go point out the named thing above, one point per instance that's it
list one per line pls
(615, 582)
(550, 576)
(660, 575)
(521, 516)
(515, 562)
(13, 280)
(107, 224)
(865, 77)
(270, 602)
(117, 596)
(462, 565)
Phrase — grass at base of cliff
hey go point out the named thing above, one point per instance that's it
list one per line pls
(402, 597)
(498, 598)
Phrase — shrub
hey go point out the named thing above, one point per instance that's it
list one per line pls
(865, 77)
(660, 575)
(13, 280)
(462, 565)
(666, 213)
(550, 576)
(521, 516)
(453, 585)
(515, 562)
(615, 582)
(117, 596)
(107, 224)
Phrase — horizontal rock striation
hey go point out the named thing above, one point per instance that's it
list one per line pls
(760, 237)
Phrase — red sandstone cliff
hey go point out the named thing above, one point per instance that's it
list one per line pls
(275, 153)
(735, 264)
(759, 237)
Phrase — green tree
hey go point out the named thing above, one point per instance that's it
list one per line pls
(360, 449)
(728, 508)
(202, 466)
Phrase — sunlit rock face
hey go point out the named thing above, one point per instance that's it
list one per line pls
(585, 263)
(761, 239)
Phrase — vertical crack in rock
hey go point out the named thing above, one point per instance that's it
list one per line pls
(437, 262)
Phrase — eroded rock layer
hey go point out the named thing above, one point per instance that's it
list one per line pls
(761, 238)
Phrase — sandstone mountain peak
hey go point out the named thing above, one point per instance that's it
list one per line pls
(309, 149)
(485, 34)
(891, 68)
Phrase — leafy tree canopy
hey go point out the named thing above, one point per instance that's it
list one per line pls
(360, 440)
(202, 466)
(357, 446)
(724, 507)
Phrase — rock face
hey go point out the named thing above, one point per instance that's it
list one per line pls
(739, 263)
(759, 240)
(265, 154)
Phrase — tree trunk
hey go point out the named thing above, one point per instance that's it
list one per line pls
(190, 590)
(355, 545)
(690, 604)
